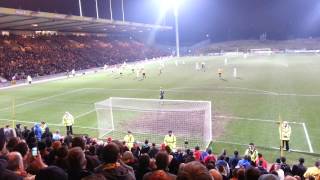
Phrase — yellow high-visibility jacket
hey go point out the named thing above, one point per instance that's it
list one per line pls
(170, 141)
(68, 120)
(285, 132)
(129, 139)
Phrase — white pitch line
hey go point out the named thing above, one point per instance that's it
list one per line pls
(307, 137)
(44, 98)
(273, 148)
(84, 114)
(255, 119)
(61, 125)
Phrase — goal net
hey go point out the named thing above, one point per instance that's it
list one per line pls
(151, 119)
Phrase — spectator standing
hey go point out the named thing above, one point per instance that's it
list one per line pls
(111, 168)
(313, 171)
(285, 133)
(299, 169)
(68, 121)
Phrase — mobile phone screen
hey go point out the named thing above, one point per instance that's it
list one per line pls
(34, 151)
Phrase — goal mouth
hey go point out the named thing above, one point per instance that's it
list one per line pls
(151, 119)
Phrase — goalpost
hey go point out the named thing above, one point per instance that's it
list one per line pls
(151, 119)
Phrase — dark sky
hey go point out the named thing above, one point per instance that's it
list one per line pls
(221, 19)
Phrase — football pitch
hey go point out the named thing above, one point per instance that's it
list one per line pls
(245, 109)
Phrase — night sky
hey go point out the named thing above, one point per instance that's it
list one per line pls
(221, 19)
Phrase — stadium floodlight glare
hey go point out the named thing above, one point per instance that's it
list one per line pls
(165, 6)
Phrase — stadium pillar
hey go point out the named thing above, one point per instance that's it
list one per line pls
(176, 16)
(80, 8)
(97, 10)
(122, 8)
(110, 8)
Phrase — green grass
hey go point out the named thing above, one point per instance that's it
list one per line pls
(251, 96)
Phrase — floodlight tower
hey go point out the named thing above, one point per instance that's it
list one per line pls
(167, 5)
(176, 20)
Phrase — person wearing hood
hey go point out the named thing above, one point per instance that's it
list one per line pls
(37, 131)
(285, 133)
(68, 121)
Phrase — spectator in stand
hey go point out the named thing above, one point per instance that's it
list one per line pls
(162, 162)
(285, 167)
(153, 151)
(245, 162)
(210, 158)
(233, 162)
(129, 160)
(299, 169)
(18, 131)
(261, 168)
(12, 143)
(15, 164)
(277, 162)
(143, 166)
(9, 133)
(37, 131)
(7, 174)
(43, 151)
(264, 162)
(25, 132)
(23, 149)
(43, 126)
(197, 153)
(252, 173)
(145, 148)
(92, 161)
(194, 171)
(46, 134)
(314, 171)
(51, 173)
(77, 164)
(215, 174)
(61, 158)
(56, 136)
(111, 167)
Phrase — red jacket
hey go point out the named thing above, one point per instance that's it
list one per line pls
(264, 162)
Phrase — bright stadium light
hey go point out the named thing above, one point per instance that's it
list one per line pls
(167, 5)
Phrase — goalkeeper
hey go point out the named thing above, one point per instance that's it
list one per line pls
(170, 140)
(68, 121)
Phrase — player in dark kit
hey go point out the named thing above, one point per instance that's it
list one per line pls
(161, 93)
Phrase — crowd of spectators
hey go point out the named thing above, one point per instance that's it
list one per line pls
(46, 55)
(59, 157)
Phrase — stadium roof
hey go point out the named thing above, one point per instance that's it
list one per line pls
(25, 20)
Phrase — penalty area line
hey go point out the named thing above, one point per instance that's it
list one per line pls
(254, 119)
(264, 147)
(307, 137)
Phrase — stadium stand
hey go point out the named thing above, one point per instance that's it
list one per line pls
(88, 158)
(47, 55)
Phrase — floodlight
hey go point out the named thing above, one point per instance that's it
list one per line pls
(166, 5)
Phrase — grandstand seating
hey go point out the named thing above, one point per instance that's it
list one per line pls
(84, 157)
(46, 55)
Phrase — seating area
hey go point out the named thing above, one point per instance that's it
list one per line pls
(38, 153)
(21, 56)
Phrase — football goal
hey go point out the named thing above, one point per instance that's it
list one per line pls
(151, 119)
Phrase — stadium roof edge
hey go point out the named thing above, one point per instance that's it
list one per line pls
(26, 20)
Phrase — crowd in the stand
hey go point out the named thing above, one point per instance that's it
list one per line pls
(37, 153)
(45, 55)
